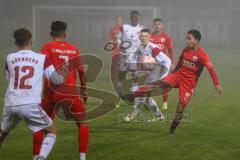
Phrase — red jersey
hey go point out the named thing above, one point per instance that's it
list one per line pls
(164, 42)
(191, 63)
(64, 53)
(113, 35)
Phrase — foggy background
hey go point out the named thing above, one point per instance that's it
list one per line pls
(89, 22)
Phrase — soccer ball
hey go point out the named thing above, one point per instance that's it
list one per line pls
(147, 63)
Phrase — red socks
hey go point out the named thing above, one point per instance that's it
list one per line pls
(165, 95)
(37, 142)
(83, 138)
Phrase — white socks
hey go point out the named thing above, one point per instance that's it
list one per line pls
(82, 156)
(47, 145)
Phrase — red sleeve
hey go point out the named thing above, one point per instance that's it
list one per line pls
(208, 64)
(155, 51)
(110, 35)
(179, 62)
(81, 71)
(170, 49)
(6, 67)
(47, 62)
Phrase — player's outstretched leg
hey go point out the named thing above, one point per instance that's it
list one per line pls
(178, 117)
(48, 142)
(83, 139)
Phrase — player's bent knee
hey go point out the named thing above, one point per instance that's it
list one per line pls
(51, 129)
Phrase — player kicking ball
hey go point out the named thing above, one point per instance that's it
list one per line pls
(158, 65)
(24, 71)
(186, 75)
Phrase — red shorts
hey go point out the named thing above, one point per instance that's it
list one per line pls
(72, 107)
(186, 88)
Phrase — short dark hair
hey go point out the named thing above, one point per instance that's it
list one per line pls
(22, 37)
(134, 12)
(58, 28)
(196, 34)
(145, 30)
(157, 20)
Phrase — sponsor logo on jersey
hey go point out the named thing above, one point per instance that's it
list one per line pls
(163, 40)
(188, 64)
(195, 58)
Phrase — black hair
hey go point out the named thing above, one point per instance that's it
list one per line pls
(196, 34)
(58, 28)
(146, 30)
(134, 12)
(22, 37)
(157, 20)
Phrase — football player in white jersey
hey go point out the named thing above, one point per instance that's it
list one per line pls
(128, 39)
(24, 71)
(161, 69)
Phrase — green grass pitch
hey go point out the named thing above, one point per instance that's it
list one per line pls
(212, 132)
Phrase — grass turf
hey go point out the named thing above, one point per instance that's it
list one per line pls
(212, 132)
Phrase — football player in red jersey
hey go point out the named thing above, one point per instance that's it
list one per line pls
(185, 75)
(165, 44)
(64, 53)
(113, 38)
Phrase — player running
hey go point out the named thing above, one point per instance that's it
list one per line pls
(164, 42)
(186, 75)
(62, 52)
(161, 69)
(128, 58)
(24, 71)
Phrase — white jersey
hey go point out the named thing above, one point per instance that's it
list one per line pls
(153, 50)
(131, 34)
(25, 70)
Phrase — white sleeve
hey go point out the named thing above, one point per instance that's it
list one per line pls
(164, 62)
(48, 71)
(53, 76)
(120, 36)
(7, 76)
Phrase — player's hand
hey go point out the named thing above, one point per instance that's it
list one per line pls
(218, 89)
(84, 96)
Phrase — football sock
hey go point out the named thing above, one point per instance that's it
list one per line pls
(83, 138)
(47, 145)
(82, 156)
(165, 95)
(176, 121)
(151, 104)
(37, 142)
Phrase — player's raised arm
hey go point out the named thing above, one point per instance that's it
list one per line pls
(51, 74)
(208, 64)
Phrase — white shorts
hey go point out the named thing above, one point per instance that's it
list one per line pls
(128, 61)
(33, 115)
